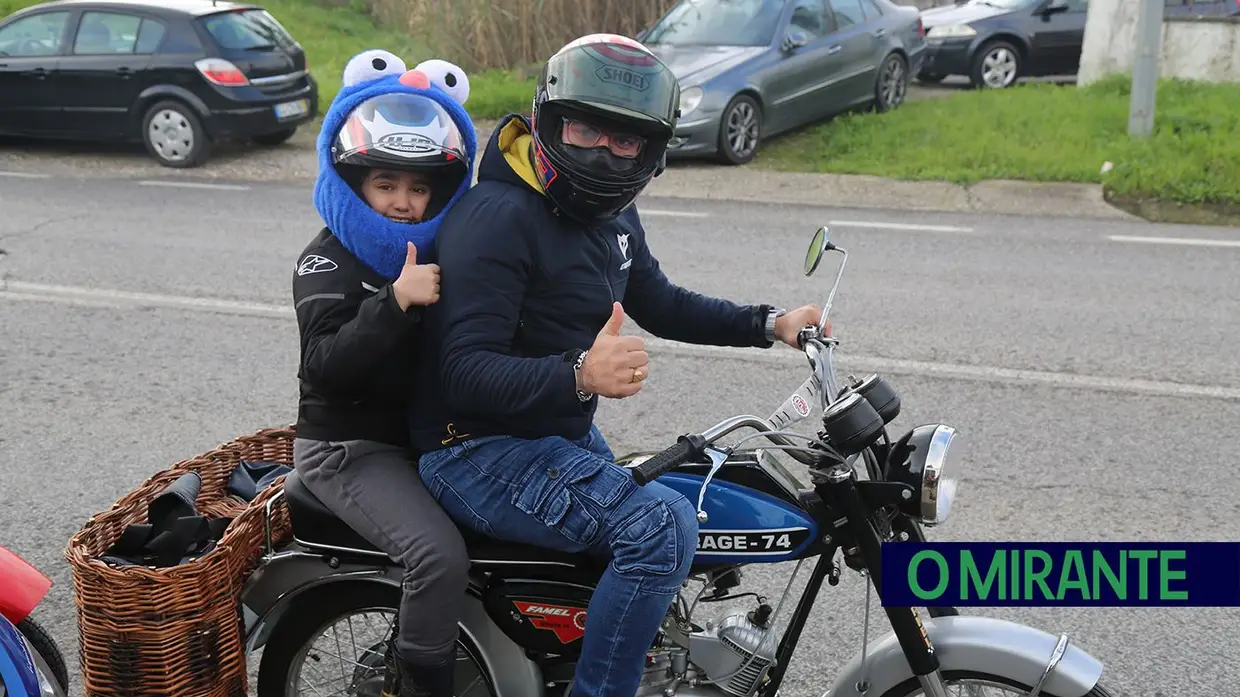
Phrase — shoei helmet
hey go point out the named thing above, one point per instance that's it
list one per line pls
(604, 110)
(404, 132)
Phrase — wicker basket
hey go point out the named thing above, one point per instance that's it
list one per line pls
(175, 631)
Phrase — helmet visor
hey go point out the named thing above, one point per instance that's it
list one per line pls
(403, 130)
(620, 78)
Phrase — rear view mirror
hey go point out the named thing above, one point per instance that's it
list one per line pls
(817, 246)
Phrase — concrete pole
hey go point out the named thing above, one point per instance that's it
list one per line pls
(1145, 68)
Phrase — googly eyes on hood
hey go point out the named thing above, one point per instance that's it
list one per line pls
(447, 77)
(377, 63)
(371, 65)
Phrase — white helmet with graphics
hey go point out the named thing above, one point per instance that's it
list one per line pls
(399, 131)
(405, 132)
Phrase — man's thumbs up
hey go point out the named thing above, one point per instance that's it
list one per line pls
(615, 365)
(411, 254)
(615, 321)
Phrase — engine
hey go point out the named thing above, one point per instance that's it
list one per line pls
(736, 654)
(731, 658)
(547, 617)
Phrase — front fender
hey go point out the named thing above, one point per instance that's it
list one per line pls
(22, 586)
(271, 591)
(982, 644)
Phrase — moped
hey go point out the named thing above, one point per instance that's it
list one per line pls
(525, 616)
(31, 663)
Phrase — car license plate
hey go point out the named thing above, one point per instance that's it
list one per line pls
(289, 110)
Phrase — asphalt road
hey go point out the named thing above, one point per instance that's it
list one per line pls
(1095, 378)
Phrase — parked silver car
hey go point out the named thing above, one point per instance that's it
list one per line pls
(750, 69)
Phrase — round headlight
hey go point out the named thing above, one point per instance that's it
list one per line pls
(926, 459)
(938, 476)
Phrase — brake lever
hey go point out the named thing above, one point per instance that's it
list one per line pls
(717, 458)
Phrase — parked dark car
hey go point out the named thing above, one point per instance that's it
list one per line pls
(995, 42)
(750, 69)
(1201, 8)
(178, 75)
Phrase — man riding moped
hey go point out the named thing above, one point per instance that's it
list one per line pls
(541, 262)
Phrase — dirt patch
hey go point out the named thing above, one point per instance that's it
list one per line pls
(1160, 211)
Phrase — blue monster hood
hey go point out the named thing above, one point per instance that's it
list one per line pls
(376, 241)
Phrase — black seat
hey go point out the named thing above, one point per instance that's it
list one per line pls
(315, 525)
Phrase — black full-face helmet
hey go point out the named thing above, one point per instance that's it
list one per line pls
(617, 105)
(404, 132)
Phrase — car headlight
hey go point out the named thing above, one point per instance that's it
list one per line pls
(924, 459)
(951, 31)
(690, 99)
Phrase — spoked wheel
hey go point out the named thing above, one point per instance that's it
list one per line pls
(332, 644)
(976, 684)
(45, 645)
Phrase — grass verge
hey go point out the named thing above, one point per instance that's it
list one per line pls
(1041, 132)
(333, 32)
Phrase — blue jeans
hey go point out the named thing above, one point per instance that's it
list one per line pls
(571, 496)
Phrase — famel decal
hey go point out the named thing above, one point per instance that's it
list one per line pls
(568, 623)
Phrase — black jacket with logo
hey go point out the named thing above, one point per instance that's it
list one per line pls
(358, 349)
(523, 291)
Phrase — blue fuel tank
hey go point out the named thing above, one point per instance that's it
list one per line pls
(744, 526)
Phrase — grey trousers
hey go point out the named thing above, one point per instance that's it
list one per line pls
(375, 489)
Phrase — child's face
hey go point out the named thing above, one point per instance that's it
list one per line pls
(398, 196)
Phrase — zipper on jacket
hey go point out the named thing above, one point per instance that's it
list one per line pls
(611, 292)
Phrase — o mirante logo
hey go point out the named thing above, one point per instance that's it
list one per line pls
(1204, 574)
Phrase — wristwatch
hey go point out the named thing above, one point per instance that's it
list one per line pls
(581, 359)
(774, 314)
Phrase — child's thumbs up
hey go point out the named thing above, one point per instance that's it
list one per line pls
(416, 285)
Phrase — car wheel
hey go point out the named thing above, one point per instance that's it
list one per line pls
(174, 136)
(996, 66)
(740, 130)
(273, 139)
(892, 84)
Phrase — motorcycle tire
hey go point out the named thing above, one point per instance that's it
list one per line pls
(913, 687)
(313, 612)
(46, 647)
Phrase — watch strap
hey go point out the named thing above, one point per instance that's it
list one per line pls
(774, 314)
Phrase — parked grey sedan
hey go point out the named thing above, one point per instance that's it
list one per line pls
(750, 69)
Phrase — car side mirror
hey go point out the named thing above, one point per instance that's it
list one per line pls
(1053, 7)
(794, 40)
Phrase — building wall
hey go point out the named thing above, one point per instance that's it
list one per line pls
(1197, 49)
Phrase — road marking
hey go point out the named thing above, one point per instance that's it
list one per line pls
(121, 299)
(1185, 241)
(24, 175)
(899, 226)
(194, 185)
(981, 373)
(125, 298)
(675, 214)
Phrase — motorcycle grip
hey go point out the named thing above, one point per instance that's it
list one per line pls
(677, 454)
